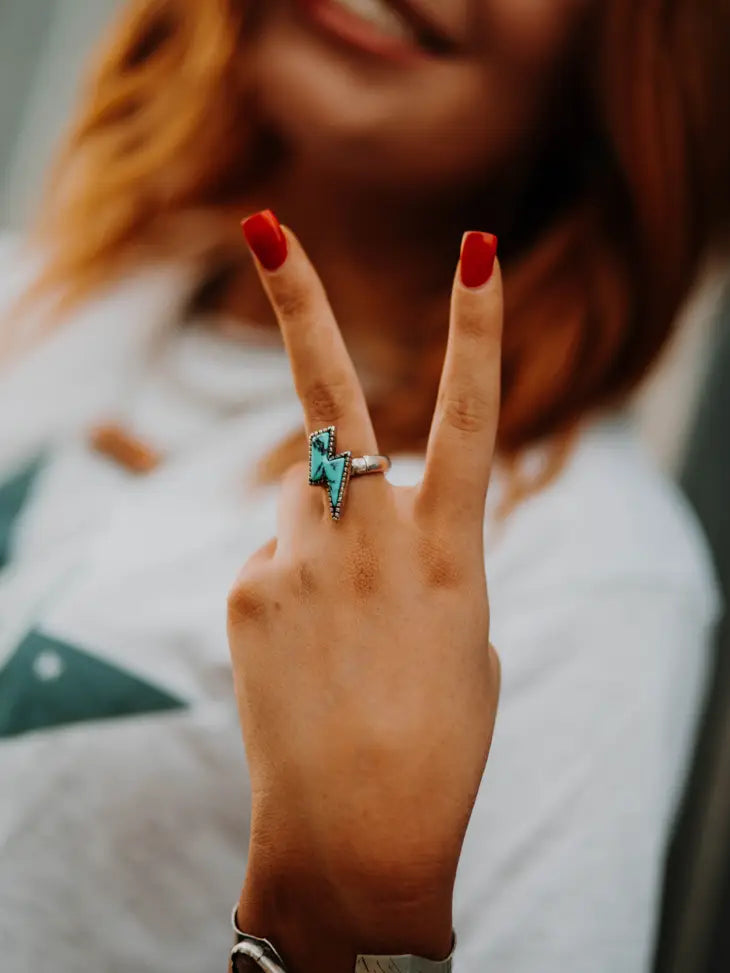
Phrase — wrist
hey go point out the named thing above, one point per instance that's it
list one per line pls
(324, 918)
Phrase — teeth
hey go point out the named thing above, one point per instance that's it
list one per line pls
(380, 15)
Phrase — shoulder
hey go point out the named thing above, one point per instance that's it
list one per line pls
(610, 519)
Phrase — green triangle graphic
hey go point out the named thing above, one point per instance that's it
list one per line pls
(47, 682)
(13, 495)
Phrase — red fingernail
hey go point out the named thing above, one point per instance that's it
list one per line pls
(266, 238)
(478, 253)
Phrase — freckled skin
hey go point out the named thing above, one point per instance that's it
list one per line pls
(440, 568)
(363, 570)
(306, 578)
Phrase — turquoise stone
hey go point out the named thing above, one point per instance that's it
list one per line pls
(326, 469)
(319, 453)
(335, 471)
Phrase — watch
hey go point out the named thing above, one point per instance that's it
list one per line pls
(251, 955)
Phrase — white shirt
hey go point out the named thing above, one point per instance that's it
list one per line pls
(124, 798)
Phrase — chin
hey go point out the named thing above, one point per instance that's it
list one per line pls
(416, 128)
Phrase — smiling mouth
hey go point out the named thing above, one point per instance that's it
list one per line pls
(389, 28)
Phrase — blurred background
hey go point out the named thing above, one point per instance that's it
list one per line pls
(43, 48)
(684, 413)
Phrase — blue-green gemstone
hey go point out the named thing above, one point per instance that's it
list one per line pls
(335, 473)
(319, 452)
(326, 469)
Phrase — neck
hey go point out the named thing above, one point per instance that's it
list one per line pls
(386, 263)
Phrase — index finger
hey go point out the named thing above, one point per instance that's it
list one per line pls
(463, 433)
(324, 375)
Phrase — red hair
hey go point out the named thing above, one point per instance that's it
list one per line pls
(163, 131)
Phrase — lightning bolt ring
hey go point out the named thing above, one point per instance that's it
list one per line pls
(333, 470)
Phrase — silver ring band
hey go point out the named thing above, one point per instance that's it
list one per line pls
(362, 465)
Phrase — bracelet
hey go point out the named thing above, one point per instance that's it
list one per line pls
(252, 953)
(406, 964)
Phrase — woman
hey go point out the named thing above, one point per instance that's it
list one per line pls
(590, 137)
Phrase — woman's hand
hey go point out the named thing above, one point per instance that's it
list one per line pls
(366, 684)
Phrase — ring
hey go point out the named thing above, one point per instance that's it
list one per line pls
(333, 470)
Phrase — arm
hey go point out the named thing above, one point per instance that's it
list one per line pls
(366, 685)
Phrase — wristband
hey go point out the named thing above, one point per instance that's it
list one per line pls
(252, 954)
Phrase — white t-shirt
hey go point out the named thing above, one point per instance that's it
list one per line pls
(124, 797)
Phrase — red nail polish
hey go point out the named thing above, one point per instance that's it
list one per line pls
(266, 238)
(478, 253)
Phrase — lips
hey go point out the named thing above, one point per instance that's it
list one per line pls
(432, 35)
(390, 28)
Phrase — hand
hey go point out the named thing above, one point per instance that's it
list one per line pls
(366, 684)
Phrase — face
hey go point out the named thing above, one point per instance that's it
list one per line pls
(414, 93)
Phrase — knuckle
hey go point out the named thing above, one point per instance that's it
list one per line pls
(326, 400)
(246, 601)
(466, 411)
(473, 322)
(293, 302)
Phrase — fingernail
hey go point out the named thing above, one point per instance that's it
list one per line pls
(266, 238)
(478, 252)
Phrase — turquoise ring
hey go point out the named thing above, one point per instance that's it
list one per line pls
(333, 470)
